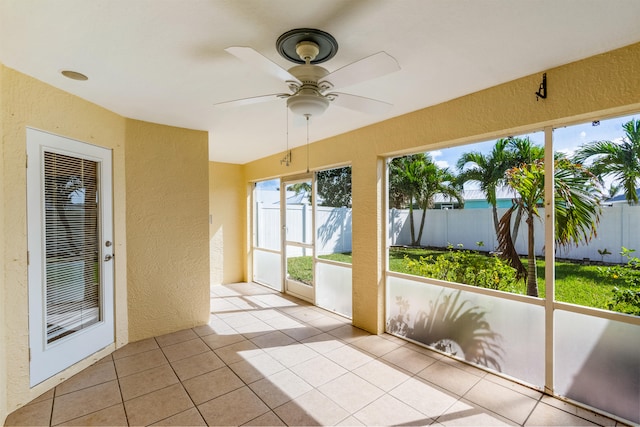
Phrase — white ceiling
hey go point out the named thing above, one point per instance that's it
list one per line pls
(164, 61)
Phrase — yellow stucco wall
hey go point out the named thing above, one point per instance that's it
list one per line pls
(167, 228)
(3, 319)
(27, 102)
(160, 241)
(227, 236)
(606, 84)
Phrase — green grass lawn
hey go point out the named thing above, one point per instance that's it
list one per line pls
(575, 283)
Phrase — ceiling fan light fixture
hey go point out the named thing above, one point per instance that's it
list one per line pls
(307, 104)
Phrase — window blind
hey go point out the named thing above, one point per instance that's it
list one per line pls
(72, 244)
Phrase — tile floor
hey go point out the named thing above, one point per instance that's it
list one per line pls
(267, 359)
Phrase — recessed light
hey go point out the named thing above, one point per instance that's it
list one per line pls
(74, 75)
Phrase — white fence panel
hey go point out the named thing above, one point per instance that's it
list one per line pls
(619, 226)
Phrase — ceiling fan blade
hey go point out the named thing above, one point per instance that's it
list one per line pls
(371, 67)
(257, 60)
(360, 103)
(251, 100)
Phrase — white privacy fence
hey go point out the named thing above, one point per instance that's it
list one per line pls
(333, 225)
(619, 226)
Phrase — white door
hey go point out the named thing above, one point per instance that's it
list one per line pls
(70, 235)
(299, 237)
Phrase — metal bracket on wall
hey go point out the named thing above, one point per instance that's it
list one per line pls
(542, 91)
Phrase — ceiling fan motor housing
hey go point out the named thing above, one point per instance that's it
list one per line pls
(308, 100)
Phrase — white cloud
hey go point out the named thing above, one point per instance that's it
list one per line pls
(442, 163)
(436, 153)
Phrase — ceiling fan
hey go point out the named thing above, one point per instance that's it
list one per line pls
(311, 86)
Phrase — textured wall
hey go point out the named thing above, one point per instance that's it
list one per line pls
(227, 235)
(28, 102)
(167, 228)
(606, 84)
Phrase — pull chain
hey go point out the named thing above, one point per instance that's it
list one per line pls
(307, 117)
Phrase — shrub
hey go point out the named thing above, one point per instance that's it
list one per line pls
(468, 267)
(625, 298)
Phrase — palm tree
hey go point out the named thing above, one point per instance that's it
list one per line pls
(577, 210)
(522, 151)
(406, 175)
(620, 160)
(415, 180)
(488, 171)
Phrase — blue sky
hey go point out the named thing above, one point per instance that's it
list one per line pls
(566, 139)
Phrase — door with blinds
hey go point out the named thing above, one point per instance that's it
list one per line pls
(69, 214)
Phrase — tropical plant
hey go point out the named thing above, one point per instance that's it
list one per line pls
(487, 170)
(577, 210)
(619, 160)
(415, 181)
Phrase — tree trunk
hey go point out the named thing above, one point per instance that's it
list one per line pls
(413, 233)
(495, 218)
(532, 274)
(516, 226)
(424, 214)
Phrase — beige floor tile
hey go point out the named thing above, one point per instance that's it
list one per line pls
(216, 341)
(388, 410)
(300, 334)
(83, 402)
(255, 329)
(327, 323)
(272, 340)
(425, 397)
(501, 400)
(235, 408)
(256, 368)
(464, 413)
(190, 417)
(449, 377)
(140, 362)
(44, 396)
(546, 415)
(305, 315)
(185, 349)
(197, 365)
(95, 374)
(280, 388)
(34, 414)
(383, 375)
(580, 412)
(237, 319)
(111, 416)
(323, 343)
(215, 326)
(351, 392)
(349, 333)
(176, 337)
(284, 322)
(292, 355)
(408, 359)
(350, 421)
(242, 350)
(312, 408)
(158, 405)
(212, 384)
(268, 419)
(147, 381)
(348, 357)
(318, 371)
(375, 345)
(135, 348)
